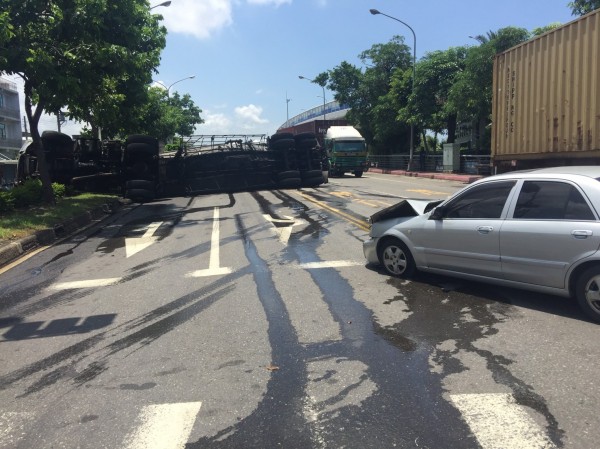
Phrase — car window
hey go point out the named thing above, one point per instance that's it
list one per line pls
(483, 201)
(551, 200)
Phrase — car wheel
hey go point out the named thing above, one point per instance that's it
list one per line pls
(395, 257)
(587, 292)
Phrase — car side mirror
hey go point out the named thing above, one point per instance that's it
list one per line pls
(438, 213)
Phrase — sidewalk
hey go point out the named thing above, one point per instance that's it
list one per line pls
(13, 250)
(465, 178)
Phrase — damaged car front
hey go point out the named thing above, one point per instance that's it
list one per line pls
(396, 222)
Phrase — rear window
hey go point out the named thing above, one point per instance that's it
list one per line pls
(552, 200)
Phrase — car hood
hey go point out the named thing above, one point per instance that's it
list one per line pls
(403, 209)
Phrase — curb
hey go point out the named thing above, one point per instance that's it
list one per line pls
(467, 179)
(14, 250)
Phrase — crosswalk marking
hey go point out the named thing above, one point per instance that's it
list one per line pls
(498, 422)
(164, 426)
(84, 284)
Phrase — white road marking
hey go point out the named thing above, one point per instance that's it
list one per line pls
(283, 232)
(91, 283)
(498, 422)
(214, 268)
(136, 244)
(164, 426)
(329, 264)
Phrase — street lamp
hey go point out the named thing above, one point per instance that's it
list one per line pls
(168, 3)
(171, 85)
(412, 126)
(312, 81)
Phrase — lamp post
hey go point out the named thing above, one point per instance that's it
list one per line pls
(172, 84)
(312, 81)
(287, 107)
(168, 3)
(412, 126)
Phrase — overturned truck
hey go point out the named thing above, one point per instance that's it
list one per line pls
(200, 164)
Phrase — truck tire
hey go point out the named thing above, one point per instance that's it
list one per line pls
(139, 184)
(283, 144)
(310, 174)
(289, 174)
(358, 173)
(140, 148)
(280, 136)
(140, 195)
(313, 182)
(289, 183)
(59, 145)
(142, 138)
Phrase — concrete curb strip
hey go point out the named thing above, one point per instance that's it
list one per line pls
(12, 251)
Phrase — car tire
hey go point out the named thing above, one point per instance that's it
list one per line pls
(587, 292)
(396, 258)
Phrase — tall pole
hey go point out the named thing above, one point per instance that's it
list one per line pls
(167, 3)
(323, 87)
(287, 107)
(172, 84)
(412, 126)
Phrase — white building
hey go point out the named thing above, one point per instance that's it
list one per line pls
(10, 120)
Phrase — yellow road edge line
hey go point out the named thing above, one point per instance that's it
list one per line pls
(361, 224)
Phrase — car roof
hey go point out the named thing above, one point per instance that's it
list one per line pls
(590, 171)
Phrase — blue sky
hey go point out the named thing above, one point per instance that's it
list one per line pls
(246, 55)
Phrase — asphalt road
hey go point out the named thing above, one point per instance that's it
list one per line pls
(251, 321)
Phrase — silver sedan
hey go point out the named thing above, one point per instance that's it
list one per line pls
(537, 230)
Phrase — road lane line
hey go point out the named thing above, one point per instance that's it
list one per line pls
(164, 426)
(214, 268)
(359, 223)
(330, 264)
(498, 422)
(91, 283)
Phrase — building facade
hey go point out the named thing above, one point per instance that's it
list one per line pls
(10, 120)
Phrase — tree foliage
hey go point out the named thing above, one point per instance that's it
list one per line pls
(92, 56)
(365, 93)
(581, 7)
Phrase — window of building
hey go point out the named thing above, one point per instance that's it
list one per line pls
(2, 131)
(1, 100)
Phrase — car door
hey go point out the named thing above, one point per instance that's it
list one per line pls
(466, 238)
(551, 227)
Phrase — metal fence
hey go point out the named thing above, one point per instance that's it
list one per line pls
(469, 164)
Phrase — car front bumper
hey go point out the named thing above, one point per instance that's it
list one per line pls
(370, 250)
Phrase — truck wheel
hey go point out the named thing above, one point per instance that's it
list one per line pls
(395, 257)
(587, 292)
(289, 183)
(140, 195)
(141, 138)
(312, 182)
(140, 148)
(283, 144)
(289, 174)
(358, 174)
(281, 136)
(139, 184)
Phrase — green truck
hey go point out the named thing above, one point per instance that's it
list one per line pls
(347, 151)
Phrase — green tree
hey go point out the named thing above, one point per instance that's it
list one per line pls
(162, 116)
(582, 7)
(470, 96)
(80, 54)
(541, 30)
(436, 73)
(365, 93)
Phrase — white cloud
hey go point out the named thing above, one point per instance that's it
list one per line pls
(198, 18)
(250, 115)
(214, 124)
(202, 19)
(269, 2)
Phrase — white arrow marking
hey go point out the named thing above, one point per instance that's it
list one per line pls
(498, 422)
(284, 232)
(164, 426)
(136, 244)
(84, 284)
(214, 267)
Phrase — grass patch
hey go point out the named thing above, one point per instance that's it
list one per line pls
(21, 223)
